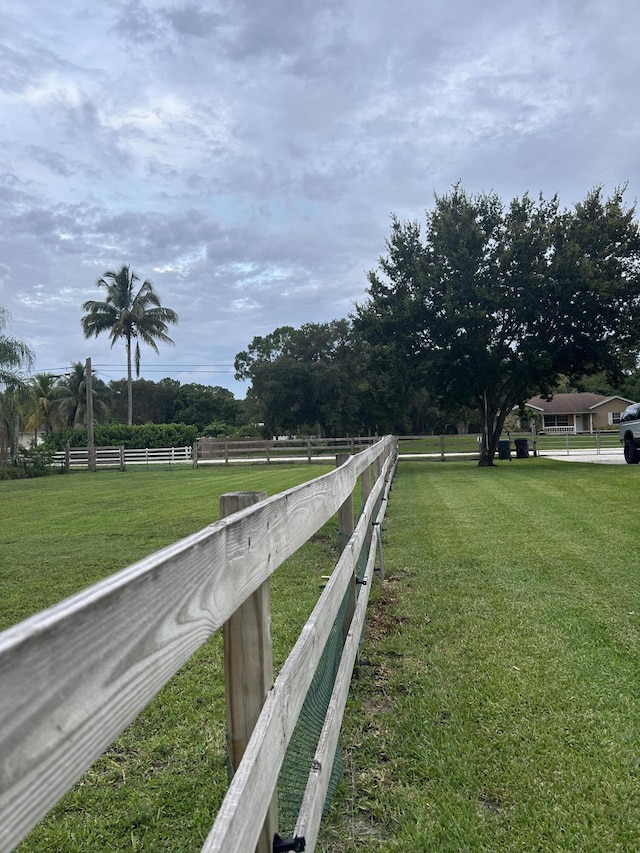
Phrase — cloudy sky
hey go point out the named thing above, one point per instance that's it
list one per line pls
(245, 155)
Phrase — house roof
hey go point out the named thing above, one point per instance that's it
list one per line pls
(572, 404)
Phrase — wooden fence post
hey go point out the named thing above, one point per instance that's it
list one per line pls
(365, 485)
(345, 513)
(248, 667)
(91, 446)
(377, 471)
(345, 532)
(67, 457)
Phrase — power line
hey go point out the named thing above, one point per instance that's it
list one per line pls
(194, 368)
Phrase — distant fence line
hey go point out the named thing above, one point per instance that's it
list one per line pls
(449, 447)
(210, 451)
(216, 451)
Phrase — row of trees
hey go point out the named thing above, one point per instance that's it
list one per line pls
(52, 404)
(49, 406)
(128, 312)
(492, 304)
(15, 357)
(323, 378)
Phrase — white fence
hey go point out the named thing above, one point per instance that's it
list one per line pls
(74, 676)
(120, 457)
(560, 430)
(215, 452)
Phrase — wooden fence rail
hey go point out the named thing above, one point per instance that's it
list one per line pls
(208, 451)
(75, 675)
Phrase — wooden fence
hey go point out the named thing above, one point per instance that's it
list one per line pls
(207, 450)
(210, 451)
(75, 675)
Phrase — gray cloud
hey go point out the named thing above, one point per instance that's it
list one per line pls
(246, 156)
(190, 19)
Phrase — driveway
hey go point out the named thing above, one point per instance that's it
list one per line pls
(604, 457)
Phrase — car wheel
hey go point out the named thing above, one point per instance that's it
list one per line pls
(631, 455)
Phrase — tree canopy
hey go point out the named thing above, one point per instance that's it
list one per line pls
(42, 409)
(128, 313)
(310, 379)
(15, 358)
(71, 402)
(496, 301)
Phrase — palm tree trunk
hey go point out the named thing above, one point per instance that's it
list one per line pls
(129, 384)
(15, 434)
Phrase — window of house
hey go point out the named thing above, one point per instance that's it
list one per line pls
(556, 420)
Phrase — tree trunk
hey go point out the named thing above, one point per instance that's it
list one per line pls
(493, 418)
(129, 384)
(487, 446)
(15, 434)
(486, 455)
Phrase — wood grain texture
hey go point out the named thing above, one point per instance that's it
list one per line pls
(312, 806)
(74, 676)
(248, 667)
(314, 798)
(238, 822)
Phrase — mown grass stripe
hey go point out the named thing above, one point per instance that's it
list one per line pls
(501, 708)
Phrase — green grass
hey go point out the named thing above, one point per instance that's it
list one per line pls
(60, 534)
(159, 787)
(500, 708)
(498, 703)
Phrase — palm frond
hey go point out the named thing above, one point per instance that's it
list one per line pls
(127, 313)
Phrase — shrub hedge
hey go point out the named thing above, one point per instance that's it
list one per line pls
(115, 435)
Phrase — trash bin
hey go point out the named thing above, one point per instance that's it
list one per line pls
(522, 448)
(504, 450)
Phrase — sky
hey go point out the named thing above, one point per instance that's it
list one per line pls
(246, 155)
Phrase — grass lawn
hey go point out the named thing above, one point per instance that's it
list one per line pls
(498, 703)
(499, 709)
(159, 787)
(59, 534)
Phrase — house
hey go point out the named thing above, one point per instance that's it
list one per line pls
(583, 412)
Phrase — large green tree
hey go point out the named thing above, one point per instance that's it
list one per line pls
(153, 402)
(311, 378)
(16, 357)
(495, 301)
(202, 405)
(128, 312)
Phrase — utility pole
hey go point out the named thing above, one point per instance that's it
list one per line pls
(91, 447)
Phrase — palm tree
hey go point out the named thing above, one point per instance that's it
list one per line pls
(15, 356)
(72, 403)
(128, 313)
(43, 406)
